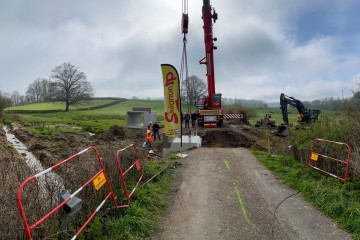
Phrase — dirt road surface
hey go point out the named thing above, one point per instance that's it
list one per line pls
(224, 193)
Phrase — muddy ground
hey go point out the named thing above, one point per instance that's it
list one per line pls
(51, 150)
(54, 148)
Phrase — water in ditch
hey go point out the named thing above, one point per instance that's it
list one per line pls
(50, 184)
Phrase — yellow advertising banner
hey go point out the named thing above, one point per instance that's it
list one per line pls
(172, 118)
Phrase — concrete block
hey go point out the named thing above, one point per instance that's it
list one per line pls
(187, 143)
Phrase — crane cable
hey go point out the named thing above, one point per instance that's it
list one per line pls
(184, 75)
(185, 7)
(184, 64)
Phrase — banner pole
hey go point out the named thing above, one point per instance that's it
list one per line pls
(181, 116)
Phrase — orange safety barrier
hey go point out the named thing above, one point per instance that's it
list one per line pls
(316, 156)
(123, 172)
(99, 180)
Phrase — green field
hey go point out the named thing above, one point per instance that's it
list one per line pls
(95, 121)
(260, 112)
(101, 119)
(60, 105)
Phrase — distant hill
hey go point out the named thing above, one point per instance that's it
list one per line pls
(273, 104)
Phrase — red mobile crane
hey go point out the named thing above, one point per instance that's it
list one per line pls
(209, 114)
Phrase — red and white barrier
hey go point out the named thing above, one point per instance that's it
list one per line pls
(99, 180)
(123, 172)
(100, 174)
(233, 116)
(316, 157)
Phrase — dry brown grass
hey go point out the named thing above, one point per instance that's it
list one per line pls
(13, 171)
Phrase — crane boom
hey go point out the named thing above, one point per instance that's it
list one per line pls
(210, 108)
(213, 101)
(209, 49)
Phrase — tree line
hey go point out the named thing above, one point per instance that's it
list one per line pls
(66, 84)
(194, 88)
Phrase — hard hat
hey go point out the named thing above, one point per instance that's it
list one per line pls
(150, 122)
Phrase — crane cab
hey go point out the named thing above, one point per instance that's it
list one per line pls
(209, 113)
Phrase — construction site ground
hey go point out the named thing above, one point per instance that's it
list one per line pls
(220, 190)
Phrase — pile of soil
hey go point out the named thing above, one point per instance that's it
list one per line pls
(114, 133)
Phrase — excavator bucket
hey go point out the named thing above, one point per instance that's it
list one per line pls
(282, 130)
(266, 122)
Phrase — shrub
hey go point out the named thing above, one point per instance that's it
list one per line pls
(240, 109)
(338, 128)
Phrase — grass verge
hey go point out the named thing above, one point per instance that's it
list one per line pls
(339, 201)
(142, 217)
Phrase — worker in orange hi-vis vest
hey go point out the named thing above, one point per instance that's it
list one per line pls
(149, 135)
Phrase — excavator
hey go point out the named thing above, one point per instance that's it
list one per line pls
(267, 122)
(209, 108)
(305, 116)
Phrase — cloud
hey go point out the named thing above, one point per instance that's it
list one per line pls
(264, 47)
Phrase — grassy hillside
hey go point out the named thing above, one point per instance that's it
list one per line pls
(60, 105)
(101, 119)
(96, 121)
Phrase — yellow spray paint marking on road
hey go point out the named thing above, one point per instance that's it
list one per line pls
(242, 205)
(227, 165)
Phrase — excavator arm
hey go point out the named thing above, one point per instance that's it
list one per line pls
(284, 101)
(306, 115)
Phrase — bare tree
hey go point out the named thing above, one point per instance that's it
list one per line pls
(45, 89)
(4, 102)
(71, 85)
(355, 100)
(33, 92)
(193, 89)
(16, 98)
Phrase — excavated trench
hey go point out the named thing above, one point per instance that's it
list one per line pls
(232, 138)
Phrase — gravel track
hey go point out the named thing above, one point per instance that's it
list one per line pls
(224, 193)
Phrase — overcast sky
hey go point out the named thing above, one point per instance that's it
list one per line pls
(304, 48)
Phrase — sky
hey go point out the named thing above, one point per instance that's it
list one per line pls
(306, 49)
